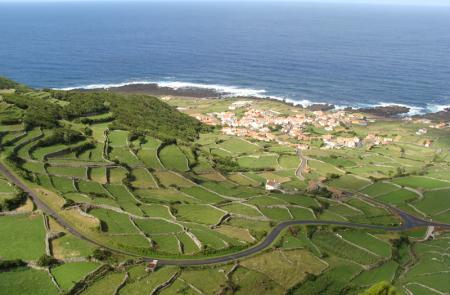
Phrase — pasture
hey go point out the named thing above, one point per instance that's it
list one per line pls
(23, 236)
(199, 213)
(239, 146)
(173, 158)
(27, 281)
(68, 273)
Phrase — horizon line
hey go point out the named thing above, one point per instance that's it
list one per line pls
(344, 2)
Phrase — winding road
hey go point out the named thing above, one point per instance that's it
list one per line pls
(409, 222)
(301, 167)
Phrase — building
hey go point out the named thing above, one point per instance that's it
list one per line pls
(422, 131)
(439, 126)
(427, 143)
(239, 104)
(151, 266)
(272, 185)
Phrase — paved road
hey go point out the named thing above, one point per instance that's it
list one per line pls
(46, 209)
(302, 166)
(409, 222)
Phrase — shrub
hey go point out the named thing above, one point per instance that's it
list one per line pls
(381, 288)
(13, 203)
(46, 261)
(101, 254)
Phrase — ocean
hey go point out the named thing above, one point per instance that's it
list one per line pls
(342, 54)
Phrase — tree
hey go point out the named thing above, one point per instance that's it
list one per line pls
(101, 254)
(381, 288)
(46, 260)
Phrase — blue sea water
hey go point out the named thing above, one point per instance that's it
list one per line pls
(342, 54)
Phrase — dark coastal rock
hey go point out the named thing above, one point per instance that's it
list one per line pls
(442, 116)
(156, 90)
(386, 111)
(320, 107)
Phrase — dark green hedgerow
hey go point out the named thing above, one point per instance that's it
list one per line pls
(10, 264)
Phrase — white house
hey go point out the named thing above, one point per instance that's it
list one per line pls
(272, 185)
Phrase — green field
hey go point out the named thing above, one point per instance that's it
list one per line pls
(118, 138)
(173, 158)
(422, 182)
(259, 162)
(143, 283)
(385, 272)
(202, 194)
(6, 187)
(289, 161)
(367, 241)
(238, 146)
(124, 155)
(68, 246)
(77, 172)
(107, 285)
(115, 222)
(434, 202)
(23, 237)
(379, 188)
(199, 213)
(331, 243)
(143, 176)
(169, 179)
(156, 226)
(143, 179)
(98, 174)
(398, 196)
(27, 281)
(241, 209)
(69, 273)
(349, 182)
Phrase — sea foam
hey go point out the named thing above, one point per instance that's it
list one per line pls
(234, 91)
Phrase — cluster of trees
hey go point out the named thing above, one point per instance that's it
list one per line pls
(38, 111)
(81, 103)
(397, 246)
(101, 254)
(137, 113)
(151, 116)
(60, 135)
(226, 164)
(14, 202)
(6, 83)
(10, 115)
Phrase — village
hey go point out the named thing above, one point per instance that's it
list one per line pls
(243, 120)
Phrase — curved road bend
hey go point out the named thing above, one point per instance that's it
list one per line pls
(409, 222)
(301, 167)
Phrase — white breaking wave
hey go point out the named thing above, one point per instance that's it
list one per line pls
(434, 108)
(230, 91)
(222, 89)
(106, 86)
(176, 85)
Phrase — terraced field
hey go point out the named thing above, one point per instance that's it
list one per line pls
(143, 195)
